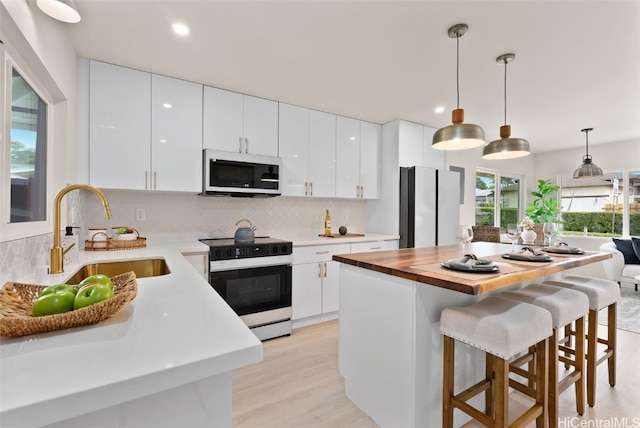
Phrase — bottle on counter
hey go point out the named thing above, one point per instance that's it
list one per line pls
(69, 243)
(327, 224)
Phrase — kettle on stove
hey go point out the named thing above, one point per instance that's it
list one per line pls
(245, 233)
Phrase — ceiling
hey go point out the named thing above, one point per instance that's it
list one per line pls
(577, 63)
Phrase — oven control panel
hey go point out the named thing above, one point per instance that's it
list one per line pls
(220, 251)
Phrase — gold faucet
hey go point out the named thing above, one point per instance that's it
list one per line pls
(57, 252)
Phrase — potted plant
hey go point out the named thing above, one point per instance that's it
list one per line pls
(544, 207)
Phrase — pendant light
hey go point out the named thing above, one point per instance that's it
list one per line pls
(588, 168)
(62, 10)
(459, 136)
(506, 147)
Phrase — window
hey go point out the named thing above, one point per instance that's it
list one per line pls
(634, 203)
(27, 152)
(497, 196)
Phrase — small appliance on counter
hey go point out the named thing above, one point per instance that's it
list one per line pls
(255, 279)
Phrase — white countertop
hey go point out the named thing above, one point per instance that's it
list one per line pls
(323, 240)
(176, 331)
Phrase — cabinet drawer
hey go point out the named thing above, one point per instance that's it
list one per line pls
(363, 247)
(318, 253)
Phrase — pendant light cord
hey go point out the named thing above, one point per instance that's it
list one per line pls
(458, 70)
(586, 135)
(505, 91)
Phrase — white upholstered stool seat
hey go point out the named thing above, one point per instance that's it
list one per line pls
(602, 293)
(501, 328)
(566, 306)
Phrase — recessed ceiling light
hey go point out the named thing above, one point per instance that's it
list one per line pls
(167, 105)
(180, 29)
(439, 109)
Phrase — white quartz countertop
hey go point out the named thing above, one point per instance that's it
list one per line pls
(323, 240)
(176, 331)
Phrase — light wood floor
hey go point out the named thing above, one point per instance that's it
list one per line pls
(298, 385)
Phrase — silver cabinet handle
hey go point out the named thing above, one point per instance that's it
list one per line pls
(246, 145)
(375, 248)
(239, 144)
(146, 180)
(322, 252)
(155, 180)
(325, 269)
(306, 187)
(311, 194)
(319, 270)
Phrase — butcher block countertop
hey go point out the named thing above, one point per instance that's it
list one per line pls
(423, 265)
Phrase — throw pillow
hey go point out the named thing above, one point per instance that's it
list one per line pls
(635, 243)
(625, 246)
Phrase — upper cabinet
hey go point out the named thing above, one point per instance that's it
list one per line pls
(176, 134)
(119, 127)
(307, 148)
(358, 146)
(145, 131)
(414, 141)
(239, 123)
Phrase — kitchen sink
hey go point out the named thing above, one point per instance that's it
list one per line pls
(143, 269)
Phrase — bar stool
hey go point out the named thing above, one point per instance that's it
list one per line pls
(501, 328)
(601, 293)
(566, 306)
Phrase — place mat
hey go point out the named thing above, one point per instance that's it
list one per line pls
(505, 268)
(563, 249)
(498, 257)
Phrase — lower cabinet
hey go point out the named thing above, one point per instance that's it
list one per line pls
(316, 278)
(200, 262)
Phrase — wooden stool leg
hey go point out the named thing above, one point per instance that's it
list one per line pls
(579, 365)
(592, 348)
(448, 353)
(489, 393)
(568, 342)
(554, 393)
(501, 395)
(611, 340)
(542, 367)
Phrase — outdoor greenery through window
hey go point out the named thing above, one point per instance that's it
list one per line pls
(28, 152)
(497, 196)
(596, 206)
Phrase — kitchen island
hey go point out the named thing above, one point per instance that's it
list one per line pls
(165, 360)
(390, 347)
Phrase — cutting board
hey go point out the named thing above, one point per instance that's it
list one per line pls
(346, 235)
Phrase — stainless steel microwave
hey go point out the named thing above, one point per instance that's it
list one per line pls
(240, 174)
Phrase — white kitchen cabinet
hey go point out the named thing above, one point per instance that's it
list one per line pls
(235, 122)
(365, 247)
(119, 126)
(370, 166)
(145, 130)
(431, 158)
(358, 148)
(315, 280)
(307, 148)
(176, 134)
(410, 144)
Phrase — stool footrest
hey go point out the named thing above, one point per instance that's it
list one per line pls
(472, 411)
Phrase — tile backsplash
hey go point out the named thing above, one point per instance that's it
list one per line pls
(171, 216)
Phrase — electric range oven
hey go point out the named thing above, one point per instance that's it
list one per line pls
(255, 281)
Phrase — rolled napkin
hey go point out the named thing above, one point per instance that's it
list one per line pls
(471, 263)
(528, 254)
(563, 248)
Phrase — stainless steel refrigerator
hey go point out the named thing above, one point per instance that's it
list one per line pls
(429, 207)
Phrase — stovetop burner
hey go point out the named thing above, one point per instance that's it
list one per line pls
(263, 246)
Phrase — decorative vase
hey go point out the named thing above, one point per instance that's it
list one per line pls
(528, 237)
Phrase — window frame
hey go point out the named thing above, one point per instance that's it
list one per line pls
(498, 192)
(11, 231)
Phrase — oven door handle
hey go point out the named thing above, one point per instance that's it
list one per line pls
(251, 262)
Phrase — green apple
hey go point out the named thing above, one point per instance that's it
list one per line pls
(96, 279)
(57, 302)
(91, 294)
(58, 287)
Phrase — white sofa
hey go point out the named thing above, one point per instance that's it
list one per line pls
(615, 269)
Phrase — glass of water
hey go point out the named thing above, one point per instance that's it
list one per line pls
(464, 236)
(513, 232)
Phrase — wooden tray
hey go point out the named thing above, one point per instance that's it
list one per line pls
(346, 235)
(112, 245)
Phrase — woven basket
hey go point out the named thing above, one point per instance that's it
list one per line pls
(16, 301)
